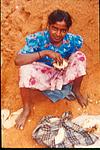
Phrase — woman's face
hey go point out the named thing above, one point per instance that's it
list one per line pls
(57, 31)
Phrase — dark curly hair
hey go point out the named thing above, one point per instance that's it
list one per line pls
(60, 15)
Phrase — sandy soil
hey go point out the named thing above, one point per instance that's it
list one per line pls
(20, 18)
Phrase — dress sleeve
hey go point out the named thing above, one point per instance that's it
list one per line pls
(31, 45)
(78, 42)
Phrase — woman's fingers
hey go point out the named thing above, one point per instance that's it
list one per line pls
(58, 58)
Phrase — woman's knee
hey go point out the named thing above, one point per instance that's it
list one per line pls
(24, 75)
(26, 67)
(78, 55)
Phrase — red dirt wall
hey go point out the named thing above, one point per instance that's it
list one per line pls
(22, 17)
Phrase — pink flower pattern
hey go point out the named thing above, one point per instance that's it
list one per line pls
(43, 77)
(32, 80)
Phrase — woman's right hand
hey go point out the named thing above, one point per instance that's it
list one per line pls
(54, 55)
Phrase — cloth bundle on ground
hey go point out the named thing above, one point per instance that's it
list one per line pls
(56, 95)
(61, 132)
(8, 118)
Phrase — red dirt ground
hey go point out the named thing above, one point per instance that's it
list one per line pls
(22, 17)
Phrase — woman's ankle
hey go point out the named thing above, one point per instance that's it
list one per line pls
(27, 110)
(76, 92)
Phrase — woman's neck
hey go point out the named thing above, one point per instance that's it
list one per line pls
(57, 44)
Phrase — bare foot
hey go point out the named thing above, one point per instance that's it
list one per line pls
(20, 121)
(81, 100)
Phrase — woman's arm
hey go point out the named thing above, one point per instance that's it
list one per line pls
(23, 59)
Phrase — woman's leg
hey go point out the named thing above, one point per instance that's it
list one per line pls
(75, 72)
(76, 89)
(26, 99)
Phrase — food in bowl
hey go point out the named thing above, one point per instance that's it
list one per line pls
(60, 66)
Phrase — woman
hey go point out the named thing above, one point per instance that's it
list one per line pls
(37, 57)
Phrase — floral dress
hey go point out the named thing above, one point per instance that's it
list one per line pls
(41, 74)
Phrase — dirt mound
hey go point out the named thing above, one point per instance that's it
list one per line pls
(19, 18)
